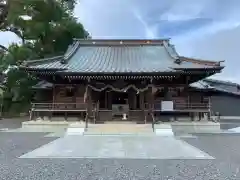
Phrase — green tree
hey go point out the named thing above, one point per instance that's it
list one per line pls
(47, 31)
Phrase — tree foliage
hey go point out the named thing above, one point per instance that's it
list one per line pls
(45, 27)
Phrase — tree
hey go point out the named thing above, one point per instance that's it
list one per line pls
(4, 9)
(47, 31)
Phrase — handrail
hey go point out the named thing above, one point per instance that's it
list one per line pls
(153, 121)
(186, 105)
(55, 103)
(61, 106)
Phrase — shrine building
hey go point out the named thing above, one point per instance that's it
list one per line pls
(120, 80)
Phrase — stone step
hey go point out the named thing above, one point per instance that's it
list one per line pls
(119, 128)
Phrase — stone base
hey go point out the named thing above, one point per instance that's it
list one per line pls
(118, 129)
(46, 124)
(195, 127)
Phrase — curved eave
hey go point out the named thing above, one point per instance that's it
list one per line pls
(40, 69)
(201, 61)
(201, 69)
(41, 61)
(174, 72)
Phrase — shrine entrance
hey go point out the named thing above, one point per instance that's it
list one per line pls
(119, 97)
(120, 105)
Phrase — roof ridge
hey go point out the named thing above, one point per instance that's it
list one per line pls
(172, 53)
(29, 62)
(89, 40)
(72, 51)
(121, 41)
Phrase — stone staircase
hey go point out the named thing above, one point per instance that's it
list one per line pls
(115, 128)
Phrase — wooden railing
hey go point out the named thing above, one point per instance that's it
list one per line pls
(185, 106)
(59, 106)
(94, 106)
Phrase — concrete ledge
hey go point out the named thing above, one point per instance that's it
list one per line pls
(195, 127)
(45, 124)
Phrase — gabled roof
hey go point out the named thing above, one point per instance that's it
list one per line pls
(121, 56)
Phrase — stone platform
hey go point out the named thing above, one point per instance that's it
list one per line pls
(45, 124)
(119, 128)
(194, 127)
(121, 147)
(165, 129)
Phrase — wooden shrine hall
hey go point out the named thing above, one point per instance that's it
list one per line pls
(122, 80)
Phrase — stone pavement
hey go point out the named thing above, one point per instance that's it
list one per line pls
(223, 147)
(125, 147)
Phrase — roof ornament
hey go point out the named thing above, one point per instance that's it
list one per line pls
(178, 61)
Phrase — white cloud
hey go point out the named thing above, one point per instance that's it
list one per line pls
(222, 45)
(150, 32)
(184, 10)
(110, 19)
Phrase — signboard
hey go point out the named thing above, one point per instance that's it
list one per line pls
(167, 105)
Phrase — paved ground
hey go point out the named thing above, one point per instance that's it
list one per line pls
(223, 147)
(121, 147)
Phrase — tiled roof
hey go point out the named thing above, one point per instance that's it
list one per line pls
(120, 56)
(224, 86)
(217, 85)
(47, 63)
(201, 85)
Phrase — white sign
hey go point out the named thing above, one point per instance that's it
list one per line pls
(167, 106)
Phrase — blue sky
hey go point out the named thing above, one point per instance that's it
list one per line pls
(206, 29)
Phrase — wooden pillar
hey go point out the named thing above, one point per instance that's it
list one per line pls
(189, 98)
(130, 98)
(65, 116)
(168, 97)
(141, 104)
(75, 96)
(150, 103)
(87, 99)
(167, 94)
(209, 108)
(53, 93)
(134, 99)
(90, 108)
(109, 101)
(106, 99)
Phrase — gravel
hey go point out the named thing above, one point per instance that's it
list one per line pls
(223, 147)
